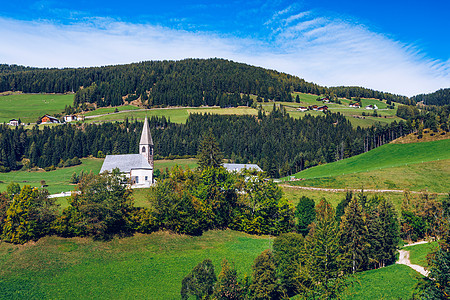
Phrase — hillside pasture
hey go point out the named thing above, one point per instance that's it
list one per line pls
(428, 176)
(57, 180)
(29, 107)
(391, 282)
(418, 253)
(386, 156)
(138, 267)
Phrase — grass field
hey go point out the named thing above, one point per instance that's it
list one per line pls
(109, 110)
(176, 115)
(386, 156)
(138, 267)
(28, 107)
(57, 181)
(391, 282)
(418, 253)
(428, 176)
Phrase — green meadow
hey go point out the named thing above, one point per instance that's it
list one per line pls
(28, 107)
(428, 176)
(138, 267)
(57, 180)
(418, 253)
(386, 156)
(391, 282)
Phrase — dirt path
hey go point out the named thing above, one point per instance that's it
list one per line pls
(404, 260)
(349, 189)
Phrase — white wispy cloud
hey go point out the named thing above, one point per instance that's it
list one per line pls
(318, 48)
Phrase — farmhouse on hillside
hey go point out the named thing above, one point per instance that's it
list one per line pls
(49, 119)
(370, 106)
(70, 118)
(13, 122)
(302, 108)
(323, 108)
(137, 167)
(355, 105)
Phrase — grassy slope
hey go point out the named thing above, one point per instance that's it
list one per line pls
(429, 176)
(28, 107)
(392, 282)
(386, 156)
(57, 181)
(142, 266)
(418, 253)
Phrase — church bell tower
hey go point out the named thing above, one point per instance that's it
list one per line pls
(146, 143)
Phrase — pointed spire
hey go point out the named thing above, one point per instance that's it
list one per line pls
(146, 137)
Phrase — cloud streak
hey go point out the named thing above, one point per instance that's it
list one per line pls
(323, 50)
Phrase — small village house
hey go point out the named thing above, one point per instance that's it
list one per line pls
(70, 118)
(302, 108)
(13, 122)
(49, 119)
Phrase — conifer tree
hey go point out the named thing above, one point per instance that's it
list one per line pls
(227, 286)
(200, 282)
(383, 230)
(354, 235)
(265, 284)
(325, 264)
(209, 154)
(305, 214)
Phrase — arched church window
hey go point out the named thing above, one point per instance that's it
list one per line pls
(143, 149)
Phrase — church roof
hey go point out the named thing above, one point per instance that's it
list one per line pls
(125, 162)
(239, 167)
(146, 136)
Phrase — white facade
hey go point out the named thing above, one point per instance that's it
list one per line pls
(141, 177)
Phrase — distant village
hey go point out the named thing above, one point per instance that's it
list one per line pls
(47, 119)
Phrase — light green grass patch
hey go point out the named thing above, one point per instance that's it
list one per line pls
(28, 107)
(418, 253)
(391, 282)
(138, 267)
(57, 181)
(428, 176)
(176, 115)
(386, 156)
(162, 164)
(109, 110)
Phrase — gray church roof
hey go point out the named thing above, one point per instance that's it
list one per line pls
(125, 162)
(146, 136)
(239, 167)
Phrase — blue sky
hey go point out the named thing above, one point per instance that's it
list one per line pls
(397, 46)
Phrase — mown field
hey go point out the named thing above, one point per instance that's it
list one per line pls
(428, 176)
(391, 282)
(28, 107)
(386, 156)
(139, 267)
(418, 253)
(57, 181)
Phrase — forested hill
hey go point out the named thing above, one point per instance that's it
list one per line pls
(189, 82)
(440, 97)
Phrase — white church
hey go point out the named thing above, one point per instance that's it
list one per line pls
(137, 167)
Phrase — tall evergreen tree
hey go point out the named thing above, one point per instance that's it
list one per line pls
(265, 282)
(227, 286)
(209, 154)
(305, 214)
(326, 264)
(200, 281)
(354, 235)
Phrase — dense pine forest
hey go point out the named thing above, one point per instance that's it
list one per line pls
(440, 97)
(280, 144)
(190, 82)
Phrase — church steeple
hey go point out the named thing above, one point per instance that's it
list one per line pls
(146, 143)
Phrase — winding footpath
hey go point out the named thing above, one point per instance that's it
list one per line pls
(404, 260)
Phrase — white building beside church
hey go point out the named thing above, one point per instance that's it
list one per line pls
(137, 167)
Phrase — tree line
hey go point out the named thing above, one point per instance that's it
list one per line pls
(189, 82)
(280, 144)
(440, 97)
